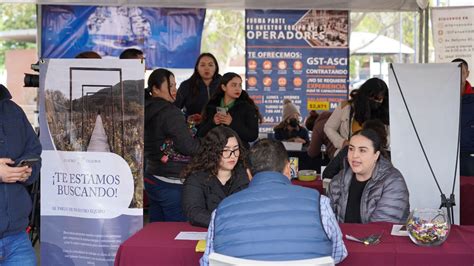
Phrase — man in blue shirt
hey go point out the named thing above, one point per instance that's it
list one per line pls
(273, 220)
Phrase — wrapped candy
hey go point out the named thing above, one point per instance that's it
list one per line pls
(428, 227)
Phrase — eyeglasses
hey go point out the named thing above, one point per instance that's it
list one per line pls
(227, 153)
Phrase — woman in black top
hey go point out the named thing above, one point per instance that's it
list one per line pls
(369, 188)
(168, 147)
(337, 163)
(236, 110)
(215, 173)
(195, 92)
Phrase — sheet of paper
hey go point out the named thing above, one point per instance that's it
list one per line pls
(292, 146)
(191, 236)
(396, 230)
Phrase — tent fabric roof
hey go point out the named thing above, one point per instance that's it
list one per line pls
(28, 35)
(370, 43)
(355, 5)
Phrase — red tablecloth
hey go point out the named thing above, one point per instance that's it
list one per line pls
(467, 200)
(155, 245)
(396, 250)
(316, 184)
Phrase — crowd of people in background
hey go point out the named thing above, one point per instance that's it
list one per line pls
(212, 179)
(204, 164)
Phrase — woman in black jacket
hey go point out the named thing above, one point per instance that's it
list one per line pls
(195, 92)
(216, 172)
(232, 107)
(168, 145)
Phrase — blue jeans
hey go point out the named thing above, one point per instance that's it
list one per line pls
(16, 250)
(165, 200)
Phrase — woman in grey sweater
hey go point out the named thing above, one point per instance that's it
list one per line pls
(369, 188)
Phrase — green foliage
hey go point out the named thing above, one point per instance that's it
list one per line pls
(224, 34)
(386, 24)
(16, 17)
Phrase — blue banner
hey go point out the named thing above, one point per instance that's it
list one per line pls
(168, 37)
(297, 54)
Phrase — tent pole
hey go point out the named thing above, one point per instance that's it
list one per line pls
(420, 36)
(427, 22)
(38, 27)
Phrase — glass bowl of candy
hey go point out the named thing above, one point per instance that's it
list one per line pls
(428, 227)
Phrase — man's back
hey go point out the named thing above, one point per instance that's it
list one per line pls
(271, 220)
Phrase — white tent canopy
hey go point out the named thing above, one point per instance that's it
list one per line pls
(365, 5)
(370, 43)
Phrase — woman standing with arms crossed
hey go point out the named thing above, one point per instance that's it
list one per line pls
(195, 92)
(232, 107)
(168, 145)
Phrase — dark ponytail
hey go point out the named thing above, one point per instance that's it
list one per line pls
(376, 134)
(157, 78)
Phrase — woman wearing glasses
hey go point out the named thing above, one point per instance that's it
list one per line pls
(216, 172)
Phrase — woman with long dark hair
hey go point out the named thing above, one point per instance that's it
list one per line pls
(232, 107)
(168, 145)
(337, 163)
(368, 189)
(216, 172)
(370, 101)
(195, 92)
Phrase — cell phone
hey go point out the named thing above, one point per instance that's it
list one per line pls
(221, 110)
(27, 162)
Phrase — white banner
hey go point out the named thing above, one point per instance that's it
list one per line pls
(453, 34)
(433, 103)
(86, 184)
(91, 119)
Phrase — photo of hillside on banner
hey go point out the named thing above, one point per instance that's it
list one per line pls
(91, 132)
